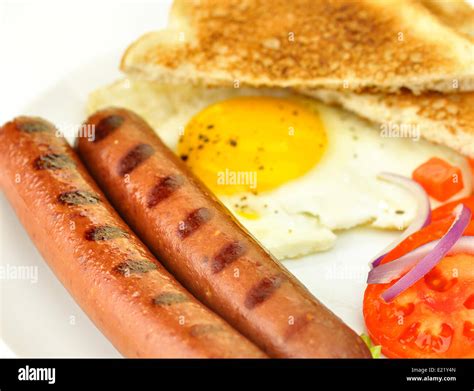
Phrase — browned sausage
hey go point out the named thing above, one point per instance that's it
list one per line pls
(204, 247)
(136, 303)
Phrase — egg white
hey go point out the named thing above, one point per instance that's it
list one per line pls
(340, 192)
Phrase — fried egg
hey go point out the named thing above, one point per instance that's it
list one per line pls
(292, 170)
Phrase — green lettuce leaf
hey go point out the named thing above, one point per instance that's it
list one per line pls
(375, 350)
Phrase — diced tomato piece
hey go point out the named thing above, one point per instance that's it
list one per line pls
(440, 179)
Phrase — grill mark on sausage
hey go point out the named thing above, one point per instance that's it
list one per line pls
(134, 157)
(163, 189)
(229, 253)
(106, 126)
(262, 291)
(53, 161)
(169, 298)
(105, 232)
(78, 197)
(134, 266)
(34, 127)
(198, 330)
(193, 222)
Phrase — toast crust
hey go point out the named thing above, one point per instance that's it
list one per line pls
(456, 14)
(446, 119)
(377, 45)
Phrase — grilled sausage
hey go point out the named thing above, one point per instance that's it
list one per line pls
(205, 247)
(136, 303)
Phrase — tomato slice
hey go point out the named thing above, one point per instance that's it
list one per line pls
(431, 232)
(446, 210)
(440, 179)
(435, 317)
(471, 165)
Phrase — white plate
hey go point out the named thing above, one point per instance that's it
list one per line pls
(40, 319)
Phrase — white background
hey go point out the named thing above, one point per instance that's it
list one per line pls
(43, 41)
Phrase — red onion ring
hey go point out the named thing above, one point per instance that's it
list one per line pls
(422, 218)
(427, 263)
(392, 270)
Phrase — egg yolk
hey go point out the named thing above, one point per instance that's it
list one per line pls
(253, 144)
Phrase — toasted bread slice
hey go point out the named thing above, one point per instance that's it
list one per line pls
(456, 14)
(440, 118)
(381, 45)
(446, 119)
